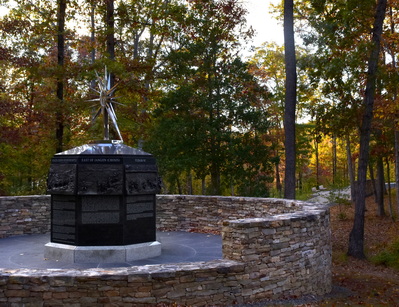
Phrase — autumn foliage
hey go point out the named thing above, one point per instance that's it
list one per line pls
(213, 118)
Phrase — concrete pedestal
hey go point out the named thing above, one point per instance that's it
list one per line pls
(101, 254)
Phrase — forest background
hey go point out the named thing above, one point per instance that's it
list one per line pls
(212, 117)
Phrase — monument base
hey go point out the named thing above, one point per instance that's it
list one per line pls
(101, 254)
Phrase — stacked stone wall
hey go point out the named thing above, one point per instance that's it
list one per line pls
(272, 249)
(207, 213)
(197, 284)
(285, 255)
(24, 215)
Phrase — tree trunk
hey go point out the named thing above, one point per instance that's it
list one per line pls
(93, 36)
(334, 158)
(60, 76)
(136, 42)
(110, 28)
(317, 163)
(380, 187)
(389, 188)
(215, 179)
(189, 181)
(93, 50)
(373, 181)
(290, 100)
(350, 168)
(300, 179)
(179, 186)
(278, 180)
(397, 165)
(356, 237)
(110, 23)
(395, 126)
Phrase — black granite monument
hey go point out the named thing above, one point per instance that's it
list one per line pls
(103, 194)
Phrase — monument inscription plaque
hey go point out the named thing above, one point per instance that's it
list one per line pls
(103, 194)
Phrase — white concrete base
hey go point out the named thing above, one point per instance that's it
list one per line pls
(101, 254)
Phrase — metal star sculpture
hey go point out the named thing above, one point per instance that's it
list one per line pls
(106, 99)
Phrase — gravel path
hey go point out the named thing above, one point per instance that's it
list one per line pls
(329, 197)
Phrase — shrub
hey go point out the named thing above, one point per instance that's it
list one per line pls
(388, 257)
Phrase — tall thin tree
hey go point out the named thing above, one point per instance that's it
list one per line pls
(110, 28)
(397, 162)
(290, 100)
(60, 75)
(396, 122)
(356, 237)
(93, 36)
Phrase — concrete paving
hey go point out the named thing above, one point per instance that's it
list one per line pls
(27, 251)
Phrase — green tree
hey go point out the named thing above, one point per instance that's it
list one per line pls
(341, 32)
(142, 35)
(30, 82)
(356, 237)
(391, 37)
(213, 103)
(267, 65)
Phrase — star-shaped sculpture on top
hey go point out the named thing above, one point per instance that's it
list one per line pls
(106, 100)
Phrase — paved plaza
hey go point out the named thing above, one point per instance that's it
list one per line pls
(27, 251)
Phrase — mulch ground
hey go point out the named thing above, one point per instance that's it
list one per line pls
(366, 283)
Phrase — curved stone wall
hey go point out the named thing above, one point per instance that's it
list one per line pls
(272, 248)
(206, 213)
